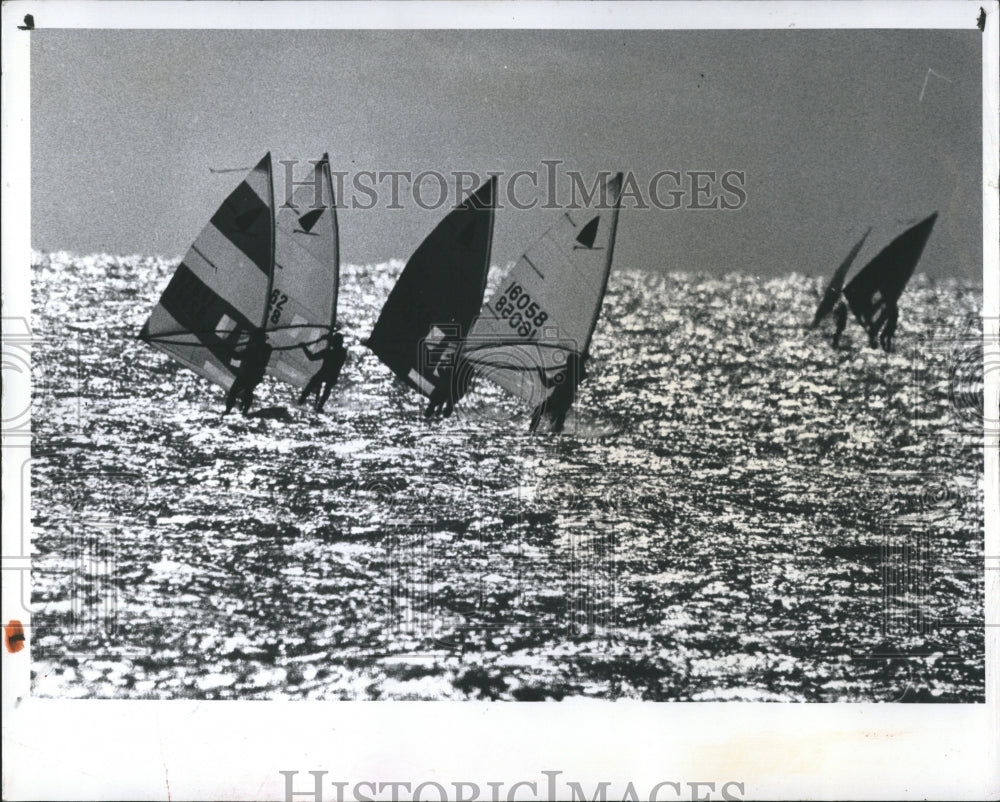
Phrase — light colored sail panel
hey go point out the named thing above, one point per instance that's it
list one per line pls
(303, 300)
(547, 305)
(229, 272)
(232, 254)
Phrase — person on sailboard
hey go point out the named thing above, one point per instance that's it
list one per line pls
(254, 356)
(441, 401)
(334, 355)
(884, 327)
(840, 317)
(890, 329)
(563, 394)
(446, 392)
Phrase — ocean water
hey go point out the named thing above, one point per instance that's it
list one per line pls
(735, 511)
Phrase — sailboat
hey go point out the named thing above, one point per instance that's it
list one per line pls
(836, 285)
(544, 311)
(254, 267)
(878, 285)
(433, 303)
(304, 292)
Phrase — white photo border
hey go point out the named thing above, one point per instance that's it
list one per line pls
(71, 749)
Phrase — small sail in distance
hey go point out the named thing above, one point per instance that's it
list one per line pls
(880, 283)
(836, 285)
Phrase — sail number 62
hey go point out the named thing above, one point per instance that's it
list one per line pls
(278, 300)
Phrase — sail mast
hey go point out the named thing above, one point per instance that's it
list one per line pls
(270, 273)
(607, 262)
(336, 240)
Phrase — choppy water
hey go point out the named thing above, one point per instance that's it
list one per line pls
(735, 511)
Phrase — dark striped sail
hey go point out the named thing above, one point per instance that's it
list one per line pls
(219, 291)
(546, 307)
(833, 289)
(437, 296)
(302, 305)
(883, 279)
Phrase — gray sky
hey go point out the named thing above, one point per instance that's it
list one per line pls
(828, 126)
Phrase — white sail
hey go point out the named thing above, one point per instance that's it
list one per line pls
(547, 306)
(302, 305)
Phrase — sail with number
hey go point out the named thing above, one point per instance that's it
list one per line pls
(836, 285)
(302, 304)
(434, 301)
(255, 267)
(880, 283)
(218, 294)
(547, 306)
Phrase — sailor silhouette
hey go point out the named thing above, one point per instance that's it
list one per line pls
(333, 356)
(840, 316)
(563, 393)
(254, 356)
(442, 357)
(885, 325)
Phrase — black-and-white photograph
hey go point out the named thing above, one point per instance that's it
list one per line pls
(525, 365)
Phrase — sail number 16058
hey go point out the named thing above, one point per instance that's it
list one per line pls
(523, 314)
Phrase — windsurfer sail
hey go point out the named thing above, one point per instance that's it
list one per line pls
(836, 285)
(533, 336)
(302, 304)
(434, 301)
(218, 294)
(873, 294)
(254, 270)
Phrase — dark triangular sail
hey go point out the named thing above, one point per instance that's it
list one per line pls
(883, 279)
(588, 233)
(438, 293)
(308, 220)
(833, 289)
(219, 291)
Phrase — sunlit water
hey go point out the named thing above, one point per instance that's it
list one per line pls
(735, 511)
